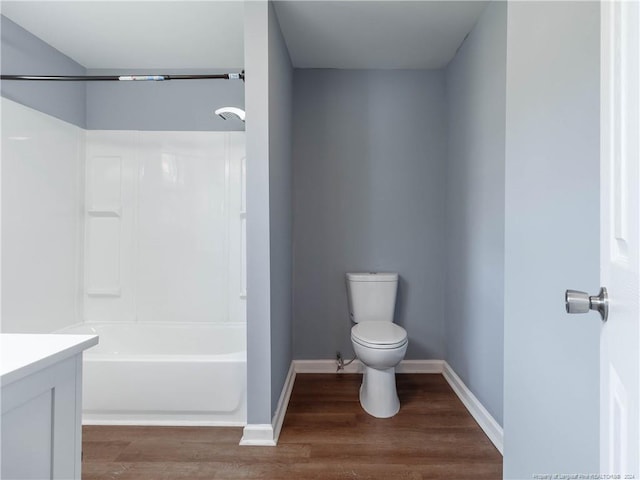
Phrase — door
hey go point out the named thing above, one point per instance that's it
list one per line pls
(619, 259)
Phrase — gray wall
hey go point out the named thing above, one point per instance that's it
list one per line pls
(280, 198)
(179, 105)
(256, 55)
(369, 152)
(474, 306)
(551, 375)
(268, 95)
(25, 54)
(175, 105)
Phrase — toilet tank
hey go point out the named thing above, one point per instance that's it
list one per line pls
(372, 296)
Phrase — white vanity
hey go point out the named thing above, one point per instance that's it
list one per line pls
(41, 402)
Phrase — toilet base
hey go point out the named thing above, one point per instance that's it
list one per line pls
(378, 396)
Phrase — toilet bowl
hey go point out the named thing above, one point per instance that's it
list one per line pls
(378, 343)
(380, 350)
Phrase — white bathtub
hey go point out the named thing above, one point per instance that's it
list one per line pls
(164, 374)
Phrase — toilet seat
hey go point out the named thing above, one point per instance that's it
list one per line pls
(379, 335)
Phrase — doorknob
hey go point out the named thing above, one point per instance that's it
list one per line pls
(580, 302)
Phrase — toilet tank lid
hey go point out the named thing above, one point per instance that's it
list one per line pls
(372, 277)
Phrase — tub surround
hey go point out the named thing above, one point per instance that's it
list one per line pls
(42, 165)
(164, 227)
(158, 208)
(41, 378)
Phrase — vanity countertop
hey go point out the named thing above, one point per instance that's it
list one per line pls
(22, 354)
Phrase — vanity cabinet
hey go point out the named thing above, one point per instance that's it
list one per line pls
(41, 402)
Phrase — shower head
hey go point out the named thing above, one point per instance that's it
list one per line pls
(230, 112)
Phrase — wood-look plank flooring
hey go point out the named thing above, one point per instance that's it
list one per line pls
(326, 435)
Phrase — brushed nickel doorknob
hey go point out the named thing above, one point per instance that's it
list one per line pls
(580, 302)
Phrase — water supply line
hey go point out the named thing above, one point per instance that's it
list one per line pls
(341, 363)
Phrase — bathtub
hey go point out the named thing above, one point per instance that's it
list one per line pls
(164, 374)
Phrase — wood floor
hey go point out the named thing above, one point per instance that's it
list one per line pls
(325, 435)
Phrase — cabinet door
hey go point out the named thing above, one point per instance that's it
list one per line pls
(40, 433)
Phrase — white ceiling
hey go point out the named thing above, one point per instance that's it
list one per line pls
(210, 34)
(139, 34)
(375, 34)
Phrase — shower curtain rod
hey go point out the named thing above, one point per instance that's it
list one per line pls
(125, 78)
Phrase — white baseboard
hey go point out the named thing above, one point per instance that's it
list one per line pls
(267, 434)
(420, 366)
(90, 420)
(325, 366)
(258, 434)
(329, 366)
(283, 402)
(488, 424)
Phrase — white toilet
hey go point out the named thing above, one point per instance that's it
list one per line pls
(379, 343)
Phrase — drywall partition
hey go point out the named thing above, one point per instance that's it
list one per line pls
(23, 53)
(42, 159)
(256, 56)
(268, 100)
(178, 105)
(280, 205)
(474, 299)
(551, 375)
(369, 160)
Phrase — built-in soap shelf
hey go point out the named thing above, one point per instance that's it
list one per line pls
(243, 295)
(105, 212)
(243, 214)
(104, 292)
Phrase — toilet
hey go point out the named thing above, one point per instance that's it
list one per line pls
(379, 343)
